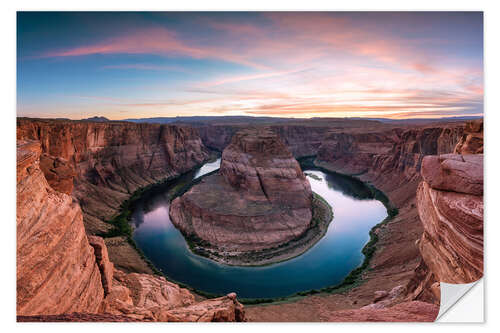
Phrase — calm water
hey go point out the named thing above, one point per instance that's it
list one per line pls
(326, 263)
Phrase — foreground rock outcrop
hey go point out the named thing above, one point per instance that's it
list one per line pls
(56, 267)
(415, 311)
(260, 199)
(64, 275)
(450, 205)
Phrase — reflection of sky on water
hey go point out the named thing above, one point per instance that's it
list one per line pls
(327, 263)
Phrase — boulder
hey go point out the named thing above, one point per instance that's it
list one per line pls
(455, 173)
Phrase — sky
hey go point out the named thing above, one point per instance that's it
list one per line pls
(282, 64)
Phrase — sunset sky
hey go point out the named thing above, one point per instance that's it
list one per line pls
(326, 64)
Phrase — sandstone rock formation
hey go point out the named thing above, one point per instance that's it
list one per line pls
(471, 141)
(64, 275)
(58, 172)
(391, 160)
(450, 205)
(415, 311)
(56, 267)
(111, 159)
(260, 199)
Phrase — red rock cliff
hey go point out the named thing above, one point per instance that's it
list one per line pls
(63, 274)
(111, 160)
(450, 206)
(391, 160)
(56, 268)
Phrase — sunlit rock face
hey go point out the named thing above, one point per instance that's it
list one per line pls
(450, 205)
(259, 199)
(56, 267)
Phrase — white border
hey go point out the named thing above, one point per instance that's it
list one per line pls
(492, 111)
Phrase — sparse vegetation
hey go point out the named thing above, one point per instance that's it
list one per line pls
(177, 187)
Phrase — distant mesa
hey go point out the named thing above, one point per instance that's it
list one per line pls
(97, 119)
(259, 200)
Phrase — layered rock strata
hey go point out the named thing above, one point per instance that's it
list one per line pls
(64, 275)
(111, 159)
(450, 205)
(391, 160)
(56, 267)
(471, 141)
(260, 198)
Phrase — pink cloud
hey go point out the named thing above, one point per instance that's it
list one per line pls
(158, 41)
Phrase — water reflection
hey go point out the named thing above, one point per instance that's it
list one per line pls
(327, 263)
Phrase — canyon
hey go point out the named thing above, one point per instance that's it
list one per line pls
(259, 201)
(65, 165)
(61, 270)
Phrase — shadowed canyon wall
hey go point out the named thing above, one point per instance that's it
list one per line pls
(111, 160)
(390, 160)
(61, 270)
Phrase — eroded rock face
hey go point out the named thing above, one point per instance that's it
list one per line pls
(391, 160)
(450, 206)
(63, 275)
(111, 159)
(415, 311)
(260, 198)
(452, 243)
(471, 141)
(58, 172)
(56, 267)
(258, 163)
(454, 173)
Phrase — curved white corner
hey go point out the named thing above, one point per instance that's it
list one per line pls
(460, 305)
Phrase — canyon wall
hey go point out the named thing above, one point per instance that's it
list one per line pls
(63, 273)
(390, 160)
(111, 160)
(450, 206)
(302, 137)
(56, 268)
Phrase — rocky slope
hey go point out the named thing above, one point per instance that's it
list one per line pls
(56, 268)
(391, 160)
(450, 205)
(260, 199)
(63, 274)
(111, 159)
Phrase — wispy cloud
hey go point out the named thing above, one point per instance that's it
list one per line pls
(147, 67)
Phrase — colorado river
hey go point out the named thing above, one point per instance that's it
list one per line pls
(327, 263)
